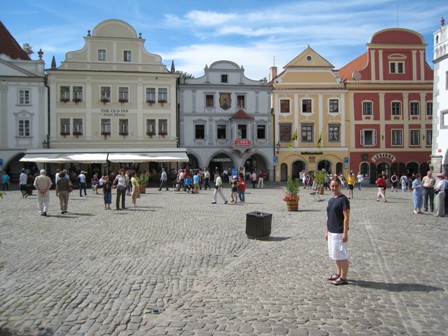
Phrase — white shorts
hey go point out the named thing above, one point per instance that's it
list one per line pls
(337, 249)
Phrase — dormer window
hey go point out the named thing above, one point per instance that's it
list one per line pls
(126, 56)
(102, 55)
(224, 79)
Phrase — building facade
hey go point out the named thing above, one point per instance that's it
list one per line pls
(439, 158)
(112, 96)
(23, 103)
(225, 120)
(390, 105)
(309, 109)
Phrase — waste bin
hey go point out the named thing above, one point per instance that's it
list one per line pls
(258, 225)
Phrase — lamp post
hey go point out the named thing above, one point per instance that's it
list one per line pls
(45, 144)
(277, 147)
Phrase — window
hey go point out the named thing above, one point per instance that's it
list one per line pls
(415, 137)
(223, 78)
(123, 94)
(24, 97)
(209, 101)
(285, 133)
(242, 131)
(126, 56)
(306, 106)
(368, 137)
(65, 126)
(284, 106)
(24, 128)
(101, 55)
(163, 127)
(397, 138)
(307, 133)
(199, 131)
(261, 132)
(105, 126)
(163, 95)
(366, 108)
(241, 101)
(65, 93)
(429, 108)
(334, 133)
(414, 108)
(150, 127)
(396, 67)
(365, 169)
(334, 105)
(221, 132)
(428, 137)
(105, 93)
(123, 126)
(396, 108)
(77, 94)
(77, 127)
(150, 95)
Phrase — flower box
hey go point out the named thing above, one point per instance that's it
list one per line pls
(105, 134)
(123, 100)
(150, 101)
(105, 100)
(77, 100)
(123, 133)
(162, 134)
(150, 133)
(77, 134)
(65, 133)
(65, 100)
(162, 101)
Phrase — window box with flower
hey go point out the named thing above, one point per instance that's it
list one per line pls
(65, 133)
(65, 100)
(77, 100)
(162, 101)
(123, 100)
(150, 134)
(105, 134)
(77, 134)
(163, 134)
(123, 133)
(150, 101)
(105, 100)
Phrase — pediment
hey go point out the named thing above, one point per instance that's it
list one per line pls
(309, 58)
(23, 114)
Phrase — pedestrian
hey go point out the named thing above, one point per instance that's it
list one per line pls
(135, 188)
(121, 181)
(338, 217)
(23, 178)
(261, 180)
(242, 189)
(381, 183)
(5, 181)
(404, 182)
(82, 184)
(428, 191)
(394, 181)
(107, 186)
(62, 191)
(440, 189)
(253, 178)
(206, 179)
(56, 176)
(163, 180)
(218, 186)
(196, 183)
(95, 183)
(417, 188)
(350, 184)
(386, 179)
(43, 183)
(360, 179)
(234, 189)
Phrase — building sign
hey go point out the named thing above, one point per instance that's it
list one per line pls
(221, 160)
(242, 142)
(384, 156)
(114, 112)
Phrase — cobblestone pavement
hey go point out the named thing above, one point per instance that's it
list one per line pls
(178, 265)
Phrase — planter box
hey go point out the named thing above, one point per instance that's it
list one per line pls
(258, 225)
(142, 189)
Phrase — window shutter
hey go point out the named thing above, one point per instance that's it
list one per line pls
(361, 138)
(374, 138)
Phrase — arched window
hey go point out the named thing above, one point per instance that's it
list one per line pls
(365, 169)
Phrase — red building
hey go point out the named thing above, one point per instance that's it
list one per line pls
(390, 105)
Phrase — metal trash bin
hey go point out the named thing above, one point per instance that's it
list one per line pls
(258, 225)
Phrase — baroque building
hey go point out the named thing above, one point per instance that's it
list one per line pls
(309, 110)
(439, 158)
(390, 105)
(225, 120)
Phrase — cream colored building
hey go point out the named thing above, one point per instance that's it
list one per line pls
(312, 127)
(114, 96)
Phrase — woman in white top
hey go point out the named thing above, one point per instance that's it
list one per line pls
(439, 188)
(121, 181)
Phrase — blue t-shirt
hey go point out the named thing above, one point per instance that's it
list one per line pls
(5, 178)
(335, 214)
(187, 181)
(195, 179)
(417, 191)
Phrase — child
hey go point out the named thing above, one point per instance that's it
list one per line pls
(107, 192)
(234, 185)
(241, 189)
(187, 184)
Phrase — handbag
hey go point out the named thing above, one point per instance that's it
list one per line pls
(70, 187)
(436, 191)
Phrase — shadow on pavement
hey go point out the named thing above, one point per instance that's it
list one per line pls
(277, 238)
(396, 287)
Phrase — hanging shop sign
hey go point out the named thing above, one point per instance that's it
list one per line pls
(384, 156)
(240, 142)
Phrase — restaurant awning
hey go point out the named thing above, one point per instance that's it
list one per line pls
(148, 157)
(44, 157)
(87, 157)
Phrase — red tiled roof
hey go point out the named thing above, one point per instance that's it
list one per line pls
(9, 45)
(240, 114)
(347, 70)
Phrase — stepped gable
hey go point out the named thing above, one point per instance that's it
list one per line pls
(9, 45)
(240, 114)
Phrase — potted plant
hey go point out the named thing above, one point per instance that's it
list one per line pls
(292, 194)
(150, 101)
(319, 178)
(143, 182)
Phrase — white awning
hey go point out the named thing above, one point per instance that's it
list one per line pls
(48, 157)
(87, 157)
(148, 157)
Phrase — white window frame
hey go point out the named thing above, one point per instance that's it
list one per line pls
(24, 97)
(106, 124)
(105, 92)
(285, 132)
(78, 126)
(396, 136)
(195, 130)
(330, 133)
(123, 93)
(261, 126)
(150, 126)
(301, 105)
(307, 132)
(241, 101)
(162, 95)
(366, 104)
(414, 137)
(24, 127)
(330, 101)
(163, 126)
(429, 108)
(363, 137)
(414, 108)
(65, 126)
(394, 67)
(393, 105)
(429, 137)
(102, 54)
(123, 126)
(289, 105)
(64, 92)
(127, 56)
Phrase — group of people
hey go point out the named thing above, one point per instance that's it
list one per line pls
(426, 190)
(237, 191)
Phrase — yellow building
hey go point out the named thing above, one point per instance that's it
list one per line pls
(311, 124)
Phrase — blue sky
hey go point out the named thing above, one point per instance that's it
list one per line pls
(251, 33)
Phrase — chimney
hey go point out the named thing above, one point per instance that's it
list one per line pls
(273, 72)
